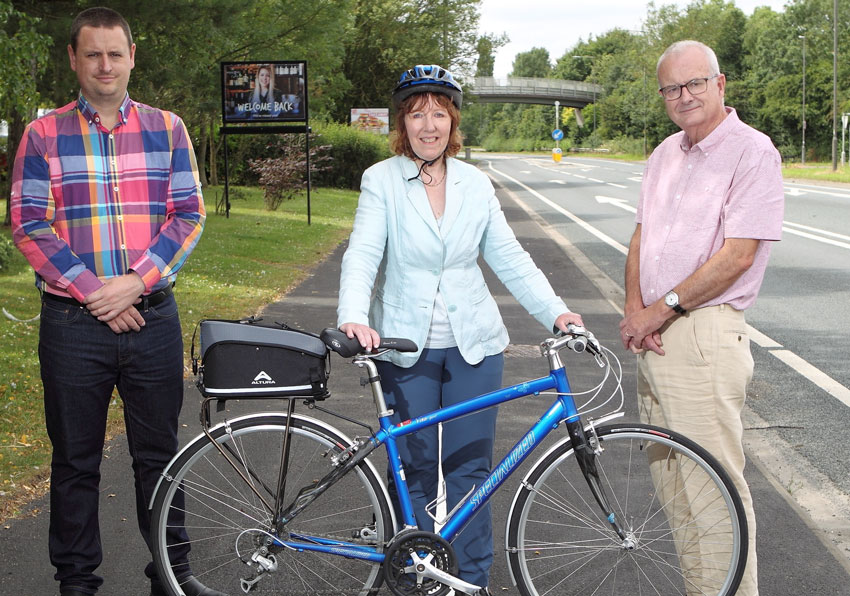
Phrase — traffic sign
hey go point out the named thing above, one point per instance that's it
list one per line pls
(557, 134)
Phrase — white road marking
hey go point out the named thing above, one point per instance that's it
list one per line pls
(621, 203)
(601, 235)
(796, 191)
(815, 238)
(816, 230)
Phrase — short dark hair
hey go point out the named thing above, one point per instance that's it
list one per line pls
(99, 16)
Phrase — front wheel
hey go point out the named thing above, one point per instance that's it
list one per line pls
(229, 539)
(685, 527)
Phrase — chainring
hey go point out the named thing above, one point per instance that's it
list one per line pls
(403, 560)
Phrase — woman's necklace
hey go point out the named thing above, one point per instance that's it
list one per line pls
(433, 182)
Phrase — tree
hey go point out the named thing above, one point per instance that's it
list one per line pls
(23, 53)
(486, 47)
(387, 37)
(477, 116)
(533, 63)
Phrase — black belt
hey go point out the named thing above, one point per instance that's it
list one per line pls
(148, 301)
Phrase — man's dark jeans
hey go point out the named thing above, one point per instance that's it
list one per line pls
(82, 361)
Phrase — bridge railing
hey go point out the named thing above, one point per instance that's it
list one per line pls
(525, 86)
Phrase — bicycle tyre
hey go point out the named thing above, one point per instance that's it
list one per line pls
(225, 521)
(558, 541)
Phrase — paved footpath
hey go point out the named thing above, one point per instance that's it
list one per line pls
(791, 558)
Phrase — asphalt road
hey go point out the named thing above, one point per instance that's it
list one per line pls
(794, 556)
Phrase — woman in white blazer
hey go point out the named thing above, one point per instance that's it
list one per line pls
(411, 270)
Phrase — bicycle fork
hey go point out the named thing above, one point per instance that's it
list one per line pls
(585, 449)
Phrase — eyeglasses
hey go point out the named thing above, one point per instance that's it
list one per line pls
(695, 87)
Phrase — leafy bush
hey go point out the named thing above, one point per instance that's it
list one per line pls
(624, 144)
(496, 142)
(352, 151)
(282, 177)
(7, 251)
(11, 261)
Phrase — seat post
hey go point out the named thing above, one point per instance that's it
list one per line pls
(374, 381)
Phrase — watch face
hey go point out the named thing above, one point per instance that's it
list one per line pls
(671, 299)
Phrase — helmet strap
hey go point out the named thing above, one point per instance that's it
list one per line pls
(424, 164)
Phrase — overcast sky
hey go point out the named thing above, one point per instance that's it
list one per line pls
(558, 25)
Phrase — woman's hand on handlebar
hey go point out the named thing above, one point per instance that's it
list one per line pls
(367, 336)
(568, 318)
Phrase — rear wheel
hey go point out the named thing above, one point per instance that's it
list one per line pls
(686, 532)
(230, 531)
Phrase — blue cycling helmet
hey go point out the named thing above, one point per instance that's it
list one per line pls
(427, 79)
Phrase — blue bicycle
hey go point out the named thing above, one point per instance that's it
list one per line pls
(282, 503)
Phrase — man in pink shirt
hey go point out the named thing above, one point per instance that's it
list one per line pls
(711, 204)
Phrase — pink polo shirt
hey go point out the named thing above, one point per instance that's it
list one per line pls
(693, 197)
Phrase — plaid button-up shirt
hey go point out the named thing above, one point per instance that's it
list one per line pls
(89, 203)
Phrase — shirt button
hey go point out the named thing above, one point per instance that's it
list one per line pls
(97, 119)
(657, 258)
(652, 291)
(111, 136)
(690, 166)
(115, 189)
(123, 246)
(452, 308)
(120, 217)
(678, 196)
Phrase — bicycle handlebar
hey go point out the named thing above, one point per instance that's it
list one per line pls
(577, 338)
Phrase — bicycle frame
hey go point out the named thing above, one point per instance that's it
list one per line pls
(563, 409)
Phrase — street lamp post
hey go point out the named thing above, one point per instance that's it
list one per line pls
(834, 84)
(593, 71)
(844, 119)
(803, 123)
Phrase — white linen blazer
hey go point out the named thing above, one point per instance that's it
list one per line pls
(398, 257)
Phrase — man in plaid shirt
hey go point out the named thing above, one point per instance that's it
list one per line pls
(106, 206)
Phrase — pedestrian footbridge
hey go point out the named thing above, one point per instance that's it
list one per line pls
(576, 94)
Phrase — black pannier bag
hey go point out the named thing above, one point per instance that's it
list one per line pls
(257, 358)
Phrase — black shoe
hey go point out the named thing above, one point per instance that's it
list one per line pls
(73, 593)
(191, 587)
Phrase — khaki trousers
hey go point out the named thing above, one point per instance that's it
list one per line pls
(698, 389)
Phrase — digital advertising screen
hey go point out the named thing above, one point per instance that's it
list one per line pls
(264, 91)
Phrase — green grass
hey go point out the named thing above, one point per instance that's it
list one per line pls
(816, 171)
(241, 264)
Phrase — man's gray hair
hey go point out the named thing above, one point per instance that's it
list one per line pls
(686, 44)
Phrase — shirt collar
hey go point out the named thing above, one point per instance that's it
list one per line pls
(716, 136)
(89, 113)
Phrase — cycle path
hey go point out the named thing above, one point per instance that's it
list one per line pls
(792, 560)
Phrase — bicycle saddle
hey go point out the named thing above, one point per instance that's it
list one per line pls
(340, 343)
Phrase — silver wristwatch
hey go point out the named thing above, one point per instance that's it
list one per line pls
(671, 299)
